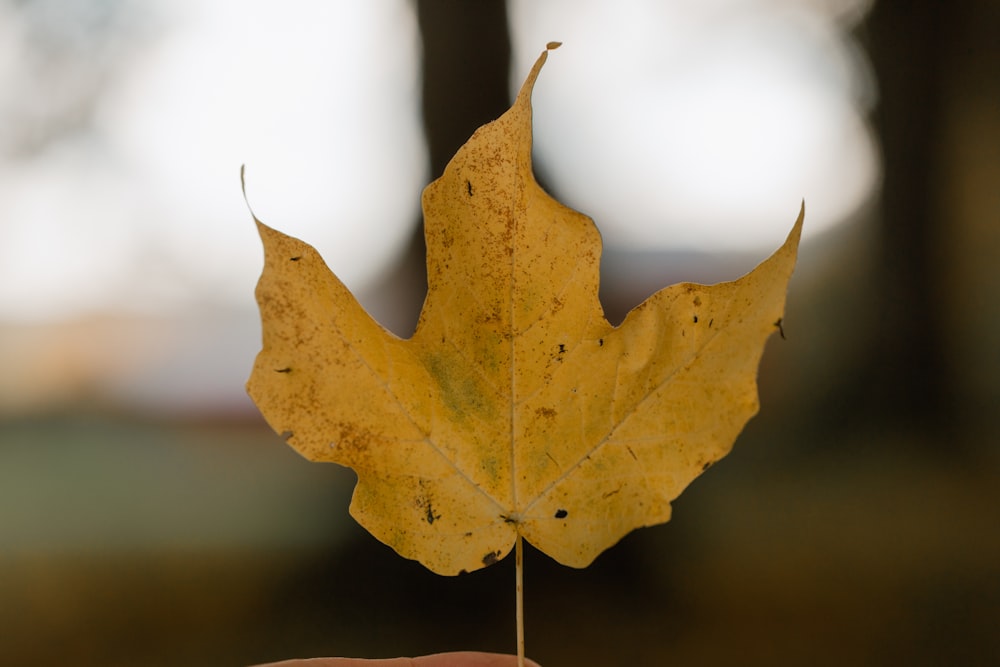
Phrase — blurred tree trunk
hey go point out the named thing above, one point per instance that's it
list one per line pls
(466, 71)
(911, 44)
(465, 84)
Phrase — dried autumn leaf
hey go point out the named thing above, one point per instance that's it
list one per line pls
(515, 408)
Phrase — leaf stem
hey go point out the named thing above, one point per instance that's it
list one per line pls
(519, 596)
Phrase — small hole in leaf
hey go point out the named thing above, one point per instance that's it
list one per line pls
(561, 514)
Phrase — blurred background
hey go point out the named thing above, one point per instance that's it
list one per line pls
(149, 517)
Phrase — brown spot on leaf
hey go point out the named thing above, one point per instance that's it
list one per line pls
(561, 514)
(491, 558)
(548, 413)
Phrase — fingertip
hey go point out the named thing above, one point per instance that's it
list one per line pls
(470, 659)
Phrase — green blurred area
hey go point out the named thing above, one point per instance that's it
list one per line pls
(155, 543)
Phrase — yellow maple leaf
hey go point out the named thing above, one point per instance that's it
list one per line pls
(515, 409)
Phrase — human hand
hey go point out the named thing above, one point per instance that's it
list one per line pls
(459, 659)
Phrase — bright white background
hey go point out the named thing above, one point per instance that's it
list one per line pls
(695, 124)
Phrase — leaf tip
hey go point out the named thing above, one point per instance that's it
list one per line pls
(796, 233)
(529, 83)
(246, 200)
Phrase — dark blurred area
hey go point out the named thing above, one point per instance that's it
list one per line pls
(855, 522)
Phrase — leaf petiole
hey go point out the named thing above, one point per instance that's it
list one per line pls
(519, 596)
